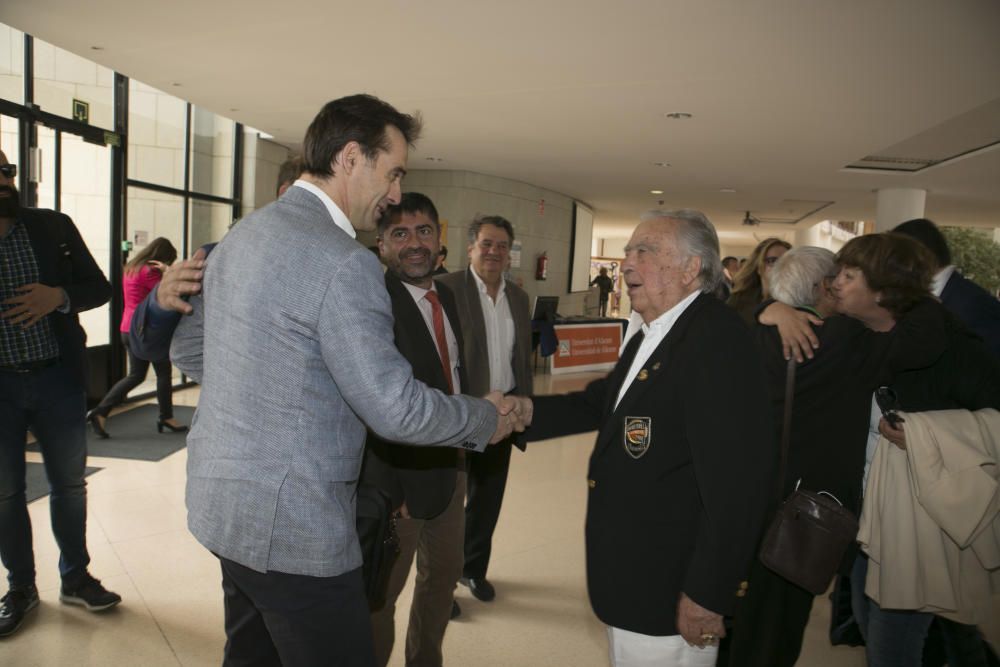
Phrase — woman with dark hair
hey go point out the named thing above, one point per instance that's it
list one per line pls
(750, 282)
(142, 273)
(882, 277)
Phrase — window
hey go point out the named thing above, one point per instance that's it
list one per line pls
(209, 222)
(157, 124)
(211, 153)
(11, 64)
(153, 214)
(85, 196)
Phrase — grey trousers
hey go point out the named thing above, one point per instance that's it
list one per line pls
(437, 546)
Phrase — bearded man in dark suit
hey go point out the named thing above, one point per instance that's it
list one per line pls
(425, 483)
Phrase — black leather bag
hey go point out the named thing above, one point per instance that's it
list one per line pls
(376, 526)
(811, 531)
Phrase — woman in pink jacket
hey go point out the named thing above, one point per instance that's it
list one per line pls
(142, 273)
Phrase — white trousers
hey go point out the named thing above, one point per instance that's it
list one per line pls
(630, 649)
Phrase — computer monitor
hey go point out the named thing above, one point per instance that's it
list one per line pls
(545, 308)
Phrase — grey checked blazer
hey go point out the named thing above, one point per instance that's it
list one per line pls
(298, 357)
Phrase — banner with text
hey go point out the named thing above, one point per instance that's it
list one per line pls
(586, 347)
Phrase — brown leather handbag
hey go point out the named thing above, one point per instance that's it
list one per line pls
(811, 531)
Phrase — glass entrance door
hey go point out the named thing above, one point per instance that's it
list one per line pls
(74, 177)
(85, 196)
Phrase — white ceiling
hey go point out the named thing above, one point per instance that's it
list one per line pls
(571, 95)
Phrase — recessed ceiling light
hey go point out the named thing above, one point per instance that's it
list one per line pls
(678, 115)
(661, 164)
(656, 192)
(97, 48)
(727, 190)
(431, 158)
(176, 85)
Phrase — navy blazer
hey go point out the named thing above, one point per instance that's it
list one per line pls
(975, 308)
(149, 333)
(423, 477)
(681, 474)
(64, 261)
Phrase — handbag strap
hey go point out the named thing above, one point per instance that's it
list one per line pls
(786, 426)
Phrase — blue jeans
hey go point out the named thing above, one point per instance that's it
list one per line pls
(52, 403)
(893, 637)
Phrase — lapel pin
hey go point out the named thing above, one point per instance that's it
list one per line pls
(656, 366)
(643, 374)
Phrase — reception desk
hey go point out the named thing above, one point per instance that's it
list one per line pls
(586, 345)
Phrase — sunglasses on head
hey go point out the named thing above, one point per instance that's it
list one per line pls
(8, 170)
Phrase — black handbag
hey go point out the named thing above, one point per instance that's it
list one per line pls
(811, 531)
(376, 524)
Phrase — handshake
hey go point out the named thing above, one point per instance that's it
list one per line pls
(513, 414)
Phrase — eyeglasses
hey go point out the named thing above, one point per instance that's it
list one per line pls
(8, 170)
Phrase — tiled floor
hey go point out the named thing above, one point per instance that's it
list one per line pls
(172, 609)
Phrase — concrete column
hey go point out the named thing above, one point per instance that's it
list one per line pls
(896, 205)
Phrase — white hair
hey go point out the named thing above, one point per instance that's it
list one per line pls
(795, 278)
(697, 238)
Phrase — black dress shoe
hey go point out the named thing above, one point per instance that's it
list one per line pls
(481, 589)
(94, 419)
(456, 611)
(164, 424)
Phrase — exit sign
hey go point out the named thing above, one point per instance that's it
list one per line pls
(81, 111)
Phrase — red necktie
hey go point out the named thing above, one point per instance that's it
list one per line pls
(437, 316)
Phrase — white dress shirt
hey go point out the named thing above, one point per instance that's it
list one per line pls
(424, 306)
(654, 333)
(941, 279)
(338, 216)
(499, 335)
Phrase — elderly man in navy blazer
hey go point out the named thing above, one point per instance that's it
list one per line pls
(47, 276)
(683, 454)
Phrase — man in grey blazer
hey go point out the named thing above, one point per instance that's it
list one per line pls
(497, 325)
(298, 356)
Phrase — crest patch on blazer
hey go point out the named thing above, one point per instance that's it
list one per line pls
(638, 435)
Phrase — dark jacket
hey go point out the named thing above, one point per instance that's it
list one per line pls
(64, 261)
(833, 394)
(685, 515)
(152, 329)
(423, 477)
(962, 374)
(975, 308)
